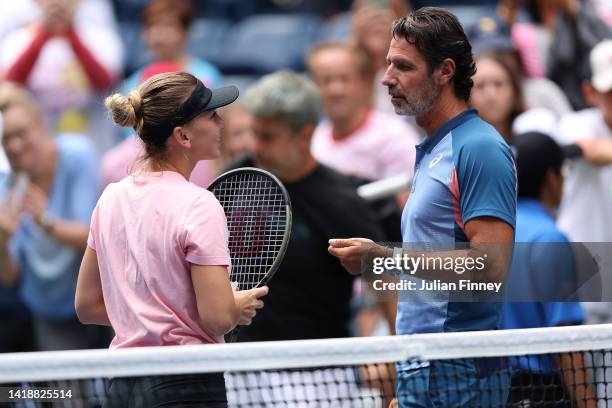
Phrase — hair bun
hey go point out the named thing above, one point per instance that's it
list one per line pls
(136, 101)
(125, 109)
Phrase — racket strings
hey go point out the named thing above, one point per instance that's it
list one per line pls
(256, 213)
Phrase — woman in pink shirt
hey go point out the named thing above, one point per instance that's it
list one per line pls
(156, 266)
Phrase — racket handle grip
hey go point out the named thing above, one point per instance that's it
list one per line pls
(232, 336)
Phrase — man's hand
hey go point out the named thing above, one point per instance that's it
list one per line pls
(58, 15)
(35, 203)
(596, 151)
(353, 251)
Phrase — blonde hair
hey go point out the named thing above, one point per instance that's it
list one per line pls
(150, 108)
(12, 94)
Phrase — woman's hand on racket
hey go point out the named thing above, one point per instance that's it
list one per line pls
(248, 302)
(222, 308)
(353, 251)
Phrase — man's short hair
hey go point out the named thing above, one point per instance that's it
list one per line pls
(362, 59)
(182, 10)
(287, 96)
(437, 34)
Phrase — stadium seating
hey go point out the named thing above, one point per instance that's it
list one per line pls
(243, 44)
(208, 38)
(136, 54)
(264, 43)
(469, 15)
(336, 28)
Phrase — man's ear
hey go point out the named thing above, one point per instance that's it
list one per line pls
(305, 134)
(446, 71)
(181, 136)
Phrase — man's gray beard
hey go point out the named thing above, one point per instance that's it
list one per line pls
(419, 107)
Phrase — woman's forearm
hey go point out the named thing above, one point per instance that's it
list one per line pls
(94, 314)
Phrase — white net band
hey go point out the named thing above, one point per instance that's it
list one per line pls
(62, 365)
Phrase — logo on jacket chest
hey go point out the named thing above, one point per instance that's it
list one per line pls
(436, 160)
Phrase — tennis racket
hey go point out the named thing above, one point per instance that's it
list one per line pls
(258, 212)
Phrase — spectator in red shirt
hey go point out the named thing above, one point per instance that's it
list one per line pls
(59, 58)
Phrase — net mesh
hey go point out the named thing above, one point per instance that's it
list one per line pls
(257, 216)
(570, 366)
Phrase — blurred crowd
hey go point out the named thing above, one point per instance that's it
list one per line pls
(544, 68)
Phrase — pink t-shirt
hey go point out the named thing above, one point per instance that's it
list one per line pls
(146, 230)
(383, 146)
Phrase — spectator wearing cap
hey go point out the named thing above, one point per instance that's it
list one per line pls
(491, 35)
(542, 265)
(585, 214)
(59, 58)
(588, 184)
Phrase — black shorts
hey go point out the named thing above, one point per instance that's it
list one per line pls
(185, 390)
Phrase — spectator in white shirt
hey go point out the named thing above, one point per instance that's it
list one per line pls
(585, 214)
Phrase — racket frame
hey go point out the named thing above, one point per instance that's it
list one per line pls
(287, 233)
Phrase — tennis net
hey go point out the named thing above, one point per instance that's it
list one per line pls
(549, 367)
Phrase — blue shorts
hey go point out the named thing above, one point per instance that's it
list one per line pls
(455, 383)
